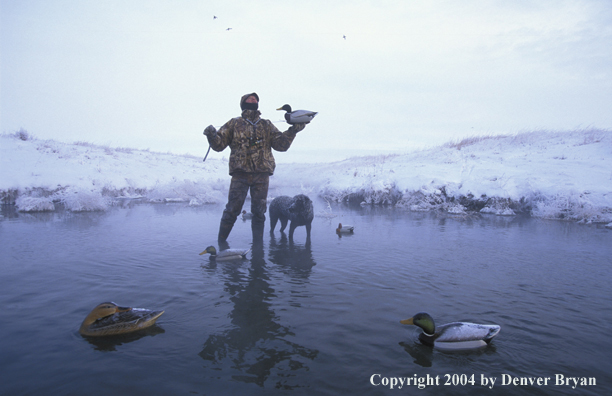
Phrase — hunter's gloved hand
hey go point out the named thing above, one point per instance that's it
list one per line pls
(210, 131)
(297, 127)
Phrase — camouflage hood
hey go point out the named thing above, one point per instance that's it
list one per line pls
(244, 98)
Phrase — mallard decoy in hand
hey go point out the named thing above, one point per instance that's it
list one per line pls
(110, 319)
(456, 335)
(347, 229)
(227, 254)
(298, 116)
(246, 215)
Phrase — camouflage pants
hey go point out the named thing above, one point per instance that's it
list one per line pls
(239, 187)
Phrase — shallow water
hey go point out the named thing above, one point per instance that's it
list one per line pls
(308, 318)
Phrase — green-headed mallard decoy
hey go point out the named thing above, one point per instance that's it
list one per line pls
(456, 335)
(227, 254)
(345, 229)
(298, 116)
(110, 319)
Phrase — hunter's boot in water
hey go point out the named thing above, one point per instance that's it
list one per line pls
(224, 231)
(257, 227)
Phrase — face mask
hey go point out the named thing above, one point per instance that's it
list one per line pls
(250, 106)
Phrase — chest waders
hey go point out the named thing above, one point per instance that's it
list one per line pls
(253, 140)
(238, 191)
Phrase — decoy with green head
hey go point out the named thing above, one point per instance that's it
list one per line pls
(227, 254)
(456, 335)
(297, 116)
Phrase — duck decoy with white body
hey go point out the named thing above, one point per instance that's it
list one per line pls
(110, 319)
(227, 254)
(456, 335)
(297, 116)
(246, 215)
(345, 229)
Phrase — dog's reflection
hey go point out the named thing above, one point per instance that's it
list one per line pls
(295, 259)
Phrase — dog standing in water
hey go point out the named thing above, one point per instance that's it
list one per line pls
(297, 209)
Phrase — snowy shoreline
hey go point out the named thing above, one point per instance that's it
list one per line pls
(551, 175)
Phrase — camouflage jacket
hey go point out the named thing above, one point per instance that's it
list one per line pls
(251, 140)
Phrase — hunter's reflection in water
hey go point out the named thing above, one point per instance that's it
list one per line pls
(257, 345)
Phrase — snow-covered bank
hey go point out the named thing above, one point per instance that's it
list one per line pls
(556, 175)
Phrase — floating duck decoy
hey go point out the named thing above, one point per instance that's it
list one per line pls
(347, 229)
(110, 319)
(456, 335)
(246, 215)
(227, 254)
(298, 116)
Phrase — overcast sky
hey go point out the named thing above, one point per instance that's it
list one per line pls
(382, 74)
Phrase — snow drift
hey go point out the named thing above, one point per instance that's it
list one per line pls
(553, 175)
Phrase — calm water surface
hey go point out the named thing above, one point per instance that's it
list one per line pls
(301, 318)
